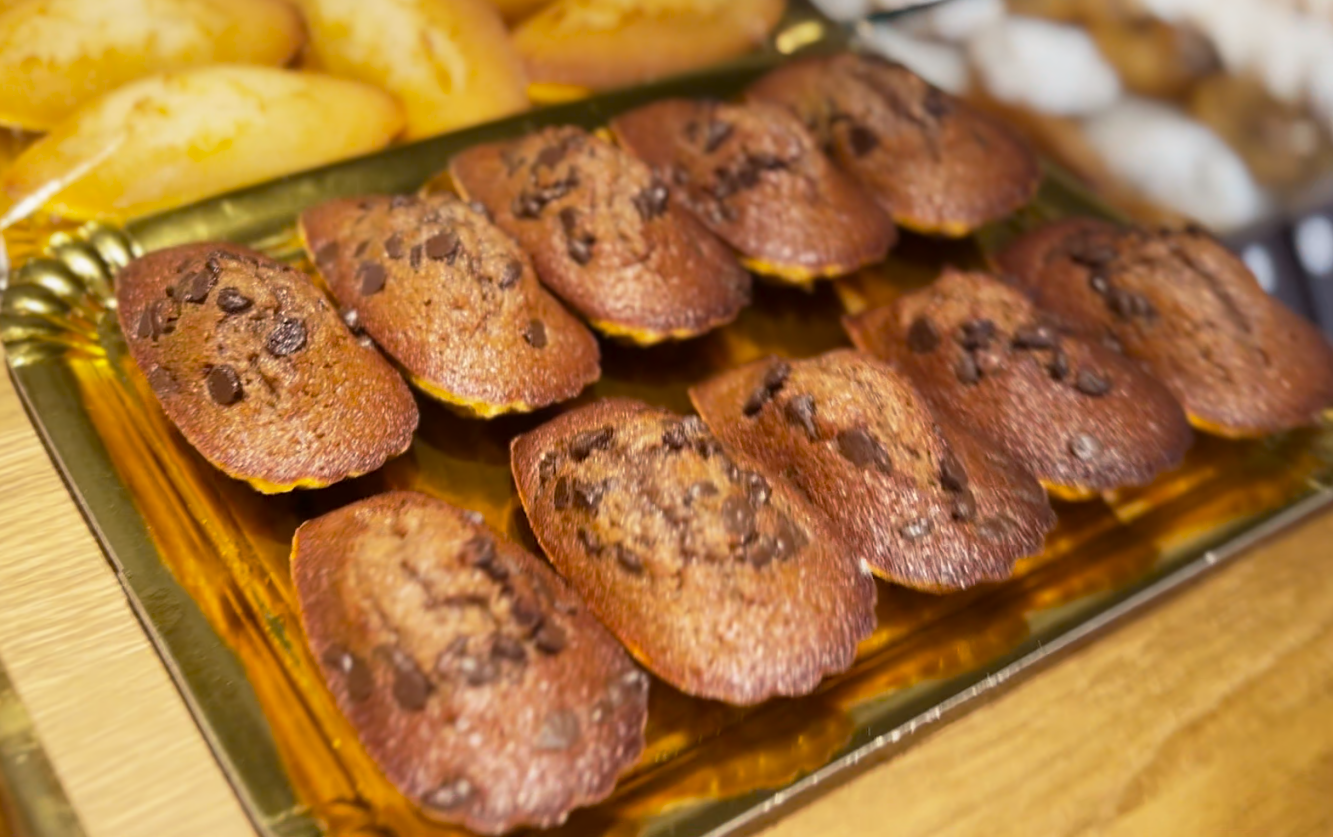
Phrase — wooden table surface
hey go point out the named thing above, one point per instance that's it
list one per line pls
(1210, 715)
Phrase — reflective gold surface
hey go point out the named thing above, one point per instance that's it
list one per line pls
(204, 558)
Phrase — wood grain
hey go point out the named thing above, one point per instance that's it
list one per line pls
(1211, 715)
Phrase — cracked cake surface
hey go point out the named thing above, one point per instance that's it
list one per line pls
(605, 234)
(452, 299)
(474, 676)
(1179, 302)
(256, 369)
(717, 577)
(926, 507)
(1082, 418)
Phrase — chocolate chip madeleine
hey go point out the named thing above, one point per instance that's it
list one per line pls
(1180, 303)
(452, 299)
(924, 508)
(606, 235)
(473, 675)
(257, 371)
(755, 176)
(936, 164)
(1081, 417)
(718, 579)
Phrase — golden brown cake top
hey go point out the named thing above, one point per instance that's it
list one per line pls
(452, 299)
(473, 675)
(1075, 413)
(925, 508)
(605, 234)
(755, 176)
(935, 163)
(1240, 362)
(257, 370)
(718, 577)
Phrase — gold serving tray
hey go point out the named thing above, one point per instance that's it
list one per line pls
(203, 558)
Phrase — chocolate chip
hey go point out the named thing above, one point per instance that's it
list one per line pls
(352, 320)
(510, 274)
(1092, 383)
(702, 488)
(1084, 447)
(675, 438)
(862, 140)
(1126, 304)
(393, 246)
(716, 134)
(777, 375)
(1091, 254)
(563, 494)
(232, 301)
(588, 495)
(652, 201)
(580, 249)
(1099, 284)
(738, 518)
(550, 156)
(442, 245)
(964, 506)
(800, 411)
(479, 552)
(527, 206)
(371, 276)
(916, 529)
(789, 539)
(546, 467)
(936, 103)
(707, 446)
(754, 404)
(976, 334)
(144, 329)
(361, 249)
(224, 385)
(162, 381)
(967, 370)
(1113, 343)
(163, 314)
(356, 674)
(863, 450)
(559, 732)
(1059, 366)
(287, 338)
(757, 489)
(196, 287)
(922, 337)
(449, 795)
(992, 529)
(476, 671)
(326, 254)
(952, 475)
(526, 613)
(550, 638)
(507, 648)
(590, 542)
(1035, 337)
(415, 256)
(761, 552)
(628, 559)
(410, 686)
(584, 443)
